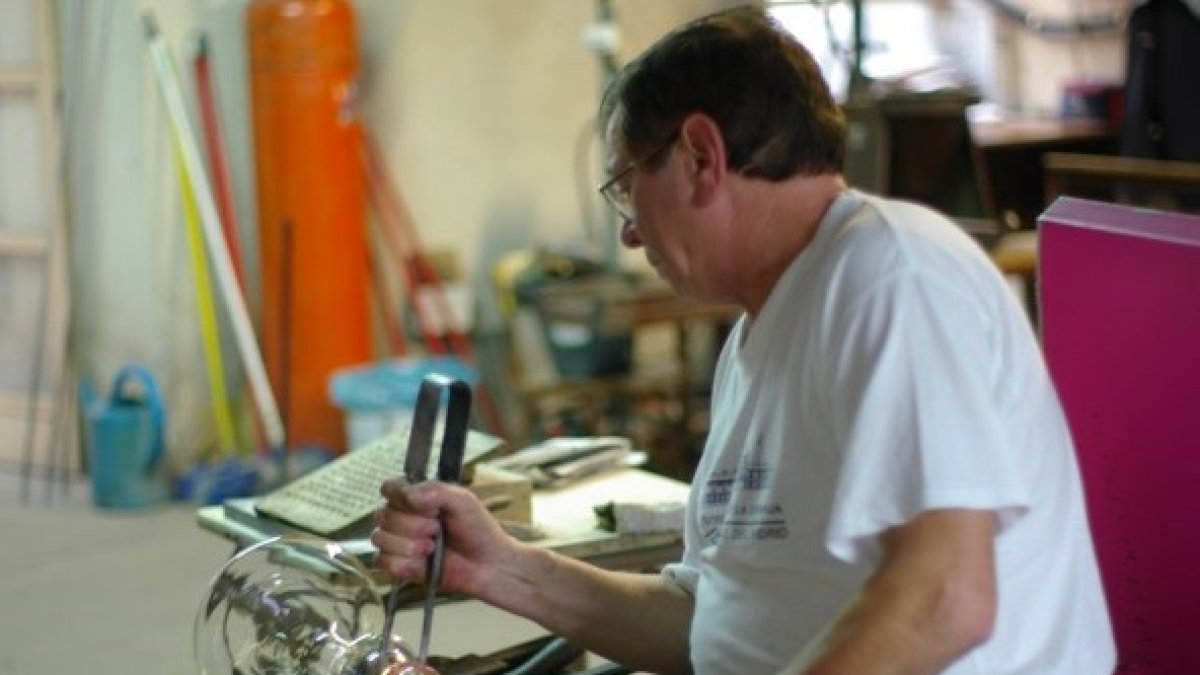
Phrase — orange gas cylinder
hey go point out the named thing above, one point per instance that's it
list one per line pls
(314, 314)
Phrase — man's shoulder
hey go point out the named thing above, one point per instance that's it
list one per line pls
(863, 244)
(885, 237)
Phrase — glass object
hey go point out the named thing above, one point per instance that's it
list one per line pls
(295, 605)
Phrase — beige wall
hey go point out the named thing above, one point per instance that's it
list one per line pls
(479, 106)
(482, 107)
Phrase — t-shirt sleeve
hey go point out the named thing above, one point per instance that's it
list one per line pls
(911, 383)
(683, 575)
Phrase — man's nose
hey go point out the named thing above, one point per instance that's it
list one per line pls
(629, 234)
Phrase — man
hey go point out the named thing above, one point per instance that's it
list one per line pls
(888, 485)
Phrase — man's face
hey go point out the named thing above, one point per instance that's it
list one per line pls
(655, 214)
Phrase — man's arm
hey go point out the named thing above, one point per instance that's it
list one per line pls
(932, 599)
(638, 620)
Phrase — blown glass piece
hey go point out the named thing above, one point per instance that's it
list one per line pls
(294, 605)
(411, 668)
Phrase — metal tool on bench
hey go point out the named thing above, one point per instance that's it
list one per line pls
(449, 470)
(557, 462)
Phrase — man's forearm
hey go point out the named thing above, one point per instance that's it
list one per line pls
(638, 620)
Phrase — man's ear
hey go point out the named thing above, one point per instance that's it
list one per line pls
(701, 140)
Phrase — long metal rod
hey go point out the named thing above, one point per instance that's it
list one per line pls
(433, 579)
(449, 470)
(218, 158)
(247, 344)
(285, 347)
(389, 619)
(57, 237)
(606, 17)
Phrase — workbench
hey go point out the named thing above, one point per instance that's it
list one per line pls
(565, 515)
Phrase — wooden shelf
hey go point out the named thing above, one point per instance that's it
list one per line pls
(1037, 132)
(22, 243)
(18, 79)
(658, 401)
(1111, 169)
(638, 382)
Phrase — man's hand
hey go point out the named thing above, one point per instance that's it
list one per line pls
(407, 524)
(585, 604)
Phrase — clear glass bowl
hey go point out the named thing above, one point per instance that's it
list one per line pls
(294, 605)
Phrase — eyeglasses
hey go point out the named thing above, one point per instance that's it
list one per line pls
(616, 190)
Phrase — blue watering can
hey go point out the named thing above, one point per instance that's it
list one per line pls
(125, 440)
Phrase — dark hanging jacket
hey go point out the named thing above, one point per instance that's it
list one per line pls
(1162, 84)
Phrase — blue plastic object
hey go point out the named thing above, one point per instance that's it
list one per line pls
(378, 397)
(393, 384)
(126, 440)
(213, 483)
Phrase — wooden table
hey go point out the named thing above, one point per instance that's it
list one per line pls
(1009, 161)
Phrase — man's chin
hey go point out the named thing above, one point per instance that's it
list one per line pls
(676, 285)
(662, 274)
(680, 288)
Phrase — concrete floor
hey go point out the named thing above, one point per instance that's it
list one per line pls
(87, 591)
(109, 593)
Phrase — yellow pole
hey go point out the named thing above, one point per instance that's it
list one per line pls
(218, 394)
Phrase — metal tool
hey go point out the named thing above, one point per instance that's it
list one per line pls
(449, 470)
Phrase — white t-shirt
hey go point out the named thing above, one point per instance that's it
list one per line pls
(891, 371)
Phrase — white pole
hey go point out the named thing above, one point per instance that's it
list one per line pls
(185, 137)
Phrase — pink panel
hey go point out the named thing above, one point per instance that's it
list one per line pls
(1120, 304)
